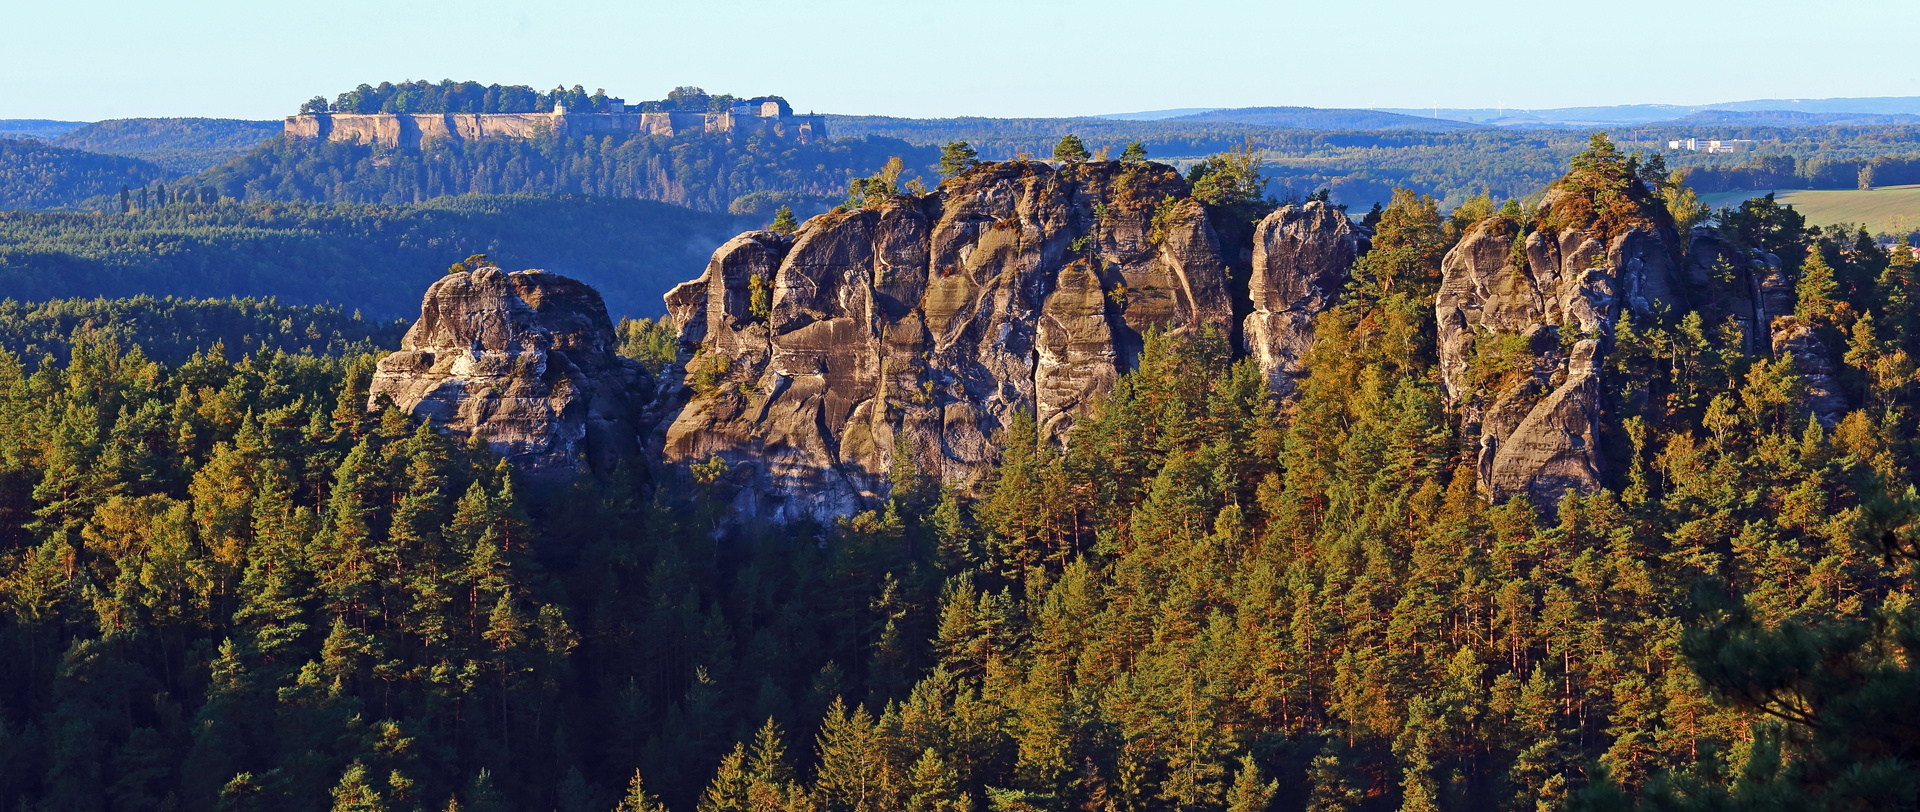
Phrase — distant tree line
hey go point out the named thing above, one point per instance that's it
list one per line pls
(449, 96)
(1785, 172)
(172, 330)
(1363, 167)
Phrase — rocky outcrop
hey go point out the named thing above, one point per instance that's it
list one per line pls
(1525, 316)
(1301, 259)
(1810, 357)
(1552, 448)
(1751, 287)
(525, 360)
(1747, 286)
(924, 323)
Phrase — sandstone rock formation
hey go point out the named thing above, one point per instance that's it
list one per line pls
(1747, 286)
(1810, 356)
(525, 359)
(1301, 259)
(1014, 286)
(1524, 322)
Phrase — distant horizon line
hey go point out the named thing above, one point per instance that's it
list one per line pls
(1428, 112)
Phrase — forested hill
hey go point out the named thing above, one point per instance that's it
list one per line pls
(39, 128)
(1315, 118)
(34, 175)
(375, 259)
(184, 145)
(1005, 138)
(706, 172)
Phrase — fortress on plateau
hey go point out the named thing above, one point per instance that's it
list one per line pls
(771, 116)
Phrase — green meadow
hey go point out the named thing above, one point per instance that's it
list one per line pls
(1889, 209)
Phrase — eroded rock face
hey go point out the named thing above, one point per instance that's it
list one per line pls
(1748, 287)
(1790, 337)
(1016, 286)
(1301, 259)
(526, 359)
(1524, 325)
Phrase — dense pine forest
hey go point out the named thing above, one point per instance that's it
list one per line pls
(173, 330)
(229, 585)
(180, 240)
(35, 175)
(709, 173)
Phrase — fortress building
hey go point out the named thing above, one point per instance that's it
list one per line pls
(771, 116)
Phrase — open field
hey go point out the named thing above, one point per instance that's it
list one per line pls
(1890, 209)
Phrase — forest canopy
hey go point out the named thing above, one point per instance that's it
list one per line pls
(34, 175)
(376, 259)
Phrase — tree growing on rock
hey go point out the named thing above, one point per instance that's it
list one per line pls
(784, 222)
(1071, 150)
(957, 157)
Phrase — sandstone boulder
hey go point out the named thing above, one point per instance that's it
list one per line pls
(526, 360)
(1748, 287)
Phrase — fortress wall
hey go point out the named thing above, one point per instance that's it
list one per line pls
(515, 125)
(369, 128)
(686, 122)
(465, 126)
(656, 123)
(307, 126)
(576, 126)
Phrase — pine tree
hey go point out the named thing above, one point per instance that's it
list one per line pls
(1071, 150)
(1249, 794)
(1329, 788)
(848, 776)
(354, 793)
(783, 221)
(637, 799)
(483, 797)
(1815, 304)
(934, 787)
(957, 157)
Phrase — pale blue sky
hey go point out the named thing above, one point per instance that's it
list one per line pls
(93, 59)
